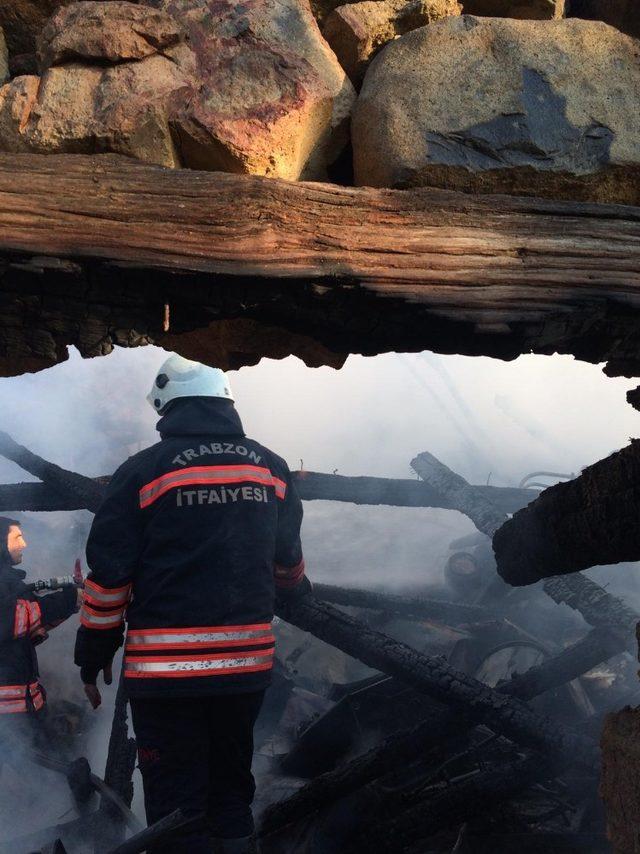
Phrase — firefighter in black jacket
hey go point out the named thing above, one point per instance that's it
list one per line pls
(195, 536)
(24, 620)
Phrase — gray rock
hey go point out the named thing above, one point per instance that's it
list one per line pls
(498, 105)
(522, 9)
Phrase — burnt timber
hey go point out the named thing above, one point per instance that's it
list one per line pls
(588, 521)
(312, 486)
(101, 250)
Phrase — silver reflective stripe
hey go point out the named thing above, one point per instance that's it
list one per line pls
(102, 621)
(198, 637)
(107, 598)
(13, 692)
(216, 474)
(15, 706)
(202, 664)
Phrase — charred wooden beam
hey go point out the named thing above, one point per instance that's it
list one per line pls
(396, 752)
(451, 804)
(597, 606)
(311, 486)
(475, 702)
(93, 248)
(118, 775)
(403, 748)
(159, 833)
(585, 522)
(598, 646)
(398, 493)
(459, 494)
(406, 607)
(86, 491)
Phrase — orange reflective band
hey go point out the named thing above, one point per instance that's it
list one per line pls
(200, 637)
(28, 617)
(209, 475)
(13, 698)
(106, 596)
(287, 577)
(106, 619)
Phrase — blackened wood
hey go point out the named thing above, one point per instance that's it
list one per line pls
(118, 775)
(597, 606)
(451, 804)
(84, 489)
(398, 493)
(311, 486)
(459, 494)
(407, 607)
(396, 752)
(598, 646)
(589, 521)
(476, 702)
(157, 834)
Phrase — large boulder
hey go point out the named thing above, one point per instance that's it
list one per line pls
(252, 90)
(272, 97)
(358, 31)
(622, 14)
(23, 21)
(106, 32)
(98, 99)
(498, 105)
(523, 9)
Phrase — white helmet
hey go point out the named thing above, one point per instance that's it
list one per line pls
(179, 377)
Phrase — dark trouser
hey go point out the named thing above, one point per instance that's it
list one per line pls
(195, 754)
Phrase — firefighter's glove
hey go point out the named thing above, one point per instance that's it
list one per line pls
(89, 676)
(287, 598)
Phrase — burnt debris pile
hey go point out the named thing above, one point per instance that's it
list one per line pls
(472, 724)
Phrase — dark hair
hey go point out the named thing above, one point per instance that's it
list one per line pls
(7, 523)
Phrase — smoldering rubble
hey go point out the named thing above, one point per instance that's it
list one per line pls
(464, 718)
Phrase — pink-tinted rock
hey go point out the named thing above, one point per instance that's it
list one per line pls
(109, 32)
(88, 108)
(23, 20)
(272, 97)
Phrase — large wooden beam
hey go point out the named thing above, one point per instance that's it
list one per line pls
(589, 521)
(101, 250)
(312, 486)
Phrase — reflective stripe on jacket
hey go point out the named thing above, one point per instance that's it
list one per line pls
(189, 544)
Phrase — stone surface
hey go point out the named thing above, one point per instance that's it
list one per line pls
(23, 20)
(522, 9)
(272, 97)
(622, 14)
(620, 744)
(357, 31)
(85, 108)
(538, 119)
(4, 59)
(109, 32)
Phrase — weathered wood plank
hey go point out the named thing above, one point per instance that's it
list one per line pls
(338, 269)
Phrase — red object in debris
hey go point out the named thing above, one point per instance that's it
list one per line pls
(78, 577)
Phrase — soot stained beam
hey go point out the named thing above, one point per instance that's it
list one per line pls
(101, 250)
(311, 486)
(589, 521)
(476, 702)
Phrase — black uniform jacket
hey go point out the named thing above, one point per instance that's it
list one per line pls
(22, 616)
(189, 543)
